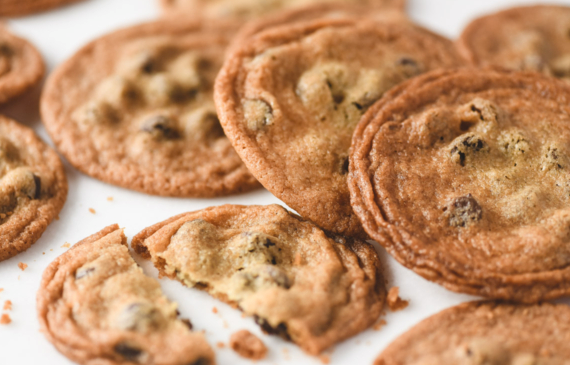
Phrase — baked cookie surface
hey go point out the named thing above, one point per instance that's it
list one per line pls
(290, 97)
(249, 9)
(312, 289)
(523, 38)
(97, 307)
(135, 108)
(33, 187)
(24, 7)
(462, 176)
(486, 333)
(21, 65)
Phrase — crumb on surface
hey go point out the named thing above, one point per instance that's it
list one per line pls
(5, 319)
(221, 345)
(214, 310)
(247, 345)
(7, 305)
(22, 266)
(110, 199)
(394, 301)
(66, 245)
(325, 359)
(92, 211)
(378, 325)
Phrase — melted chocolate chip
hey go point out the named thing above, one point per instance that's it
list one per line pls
(280, 330)
(464, 211)
(160, 126)
(128, 352)
(200, 361)
(187, 323)
(345, 165)
(38, 183)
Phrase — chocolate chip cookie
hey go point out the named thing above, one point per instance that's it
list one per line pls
(24, 7)
(135, 108)
(33, 187)
(462, 176)
(290, 97)
(249, 9)
(486, 333)
(296, 281)
(21, 65)
(524, 38)
(97, 307)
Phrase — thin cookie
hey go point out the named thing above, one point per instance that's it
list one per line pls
(135, 108)
(297, 282)
(97, 307)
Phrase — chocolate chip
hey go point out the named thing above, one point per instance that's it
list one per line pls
(81, 273)
(337, 95)
(408, 66)
(38, 183)
(129, 352)
(464, 211)
(466, 146)
(280, 330)
(187, 323)
(5, 50)
(344, 165)
(160, 126)
(200, 361)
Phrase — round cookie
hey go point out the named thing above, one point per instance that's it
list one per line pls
(297, 282)
(486, 333)
(97, 307)
(290, 97)
(33, 187)
(25, 7)
(250, 9)
(21, 65)
(462, 176)
(135, 108)
(523, 38)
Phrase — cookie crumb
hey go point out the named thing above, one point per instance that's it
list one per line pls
(247, 345)
(8, 305)
(22, 266)
(286, 354)
(381, 323)
(92, 211)
(5, 319)
(221, 345)
(110, 199)
(1, 290)
(325, 359)
(215, 310)
(66, 245)
(394, 301)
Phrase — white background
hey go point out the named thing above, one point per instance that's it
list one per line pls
(58, 34)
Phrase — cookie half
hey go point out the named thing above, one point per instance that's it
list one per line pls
(25, 7)
(135, 108)
(486, 333)
(97, 307)
(462, 176)
(21, 65)
(290, 97)
(33, 187)
(295, 280)
(250, 9)
(523, 38)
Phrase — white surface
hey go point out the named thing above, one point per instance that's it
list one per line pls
(61, 32)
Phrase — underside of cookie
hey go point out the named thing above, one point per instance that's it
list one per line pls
(96, 306)
(21, 65)
(491, 333)
(462, 176)
(25, 7)
(135, 108)
(290, 97)
(295, 280)
(524, 38)
(33, 187)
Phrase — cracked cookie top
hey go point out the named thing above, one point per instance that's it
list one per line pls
(535, 38)
(295, 280)
(21, 65)
(248, 9)
(463, 176)
(135, 108)
(290, 97)
(96, 305)
(486, 333)
(33, 187)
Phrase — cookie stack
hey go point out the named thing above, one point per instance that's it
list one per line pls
(452, 156)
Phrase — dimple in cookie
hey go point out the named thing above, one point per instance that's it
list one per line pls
(33, 187)
(462, 176)
(290, 97)
(296, 281)
(96, 306)
(143, 115)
